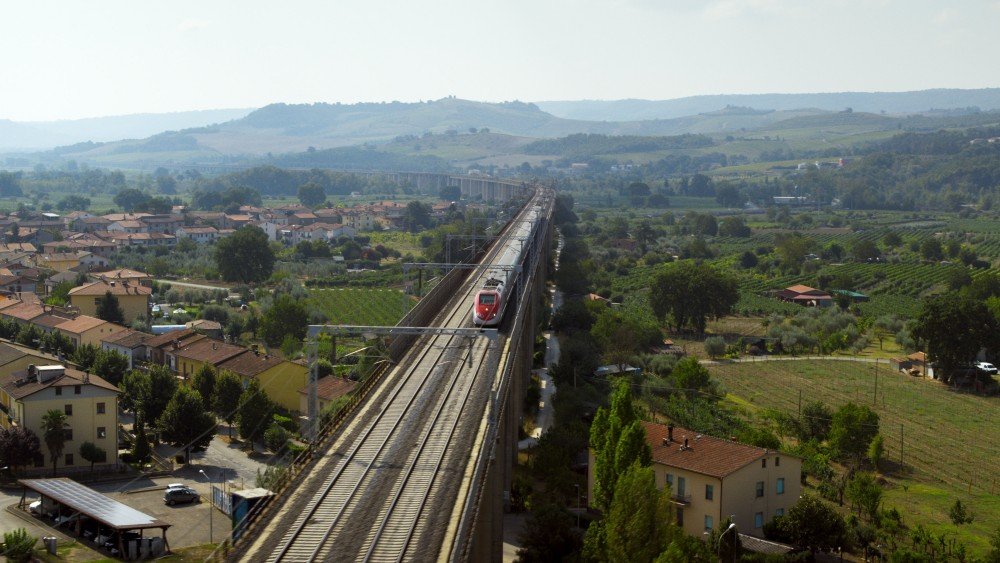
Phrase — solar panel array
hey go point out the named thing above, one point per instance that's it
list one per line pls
(92, 503)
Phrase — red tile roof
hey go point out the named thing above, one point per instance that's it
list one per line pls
(18, 385)
(100, 287)
(168, 338)
(331, 387)
(707, 455)
(249, 364)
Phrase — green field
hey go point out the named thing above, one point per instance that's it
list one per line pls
(379, 307)
(948, 437)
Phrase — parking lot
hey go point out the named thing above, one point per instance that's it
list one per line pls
(190, 523)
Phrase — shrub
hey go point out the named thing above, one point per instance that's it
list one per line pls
(276, 438)
(18, 545)
(715, 346)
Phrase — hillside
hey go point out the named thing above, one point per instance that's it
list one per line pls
(874, 102)
(34, 135)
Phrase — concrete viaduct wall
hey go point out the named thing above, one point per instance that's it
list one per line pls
(476, 531)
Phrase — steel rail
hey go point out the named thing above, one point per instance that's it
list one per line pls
(319, 499)
(410, 470)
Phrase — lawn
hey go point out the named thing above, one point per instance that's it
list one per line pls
(356, 306)
(948, 441)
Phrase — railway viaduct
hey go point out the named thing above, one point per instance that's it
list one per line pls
(435, 484)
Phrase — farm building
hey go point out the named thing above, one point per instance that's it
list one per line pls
(806, 296)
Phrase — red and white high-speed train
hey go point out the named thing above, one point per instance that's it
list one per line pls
(489, 303)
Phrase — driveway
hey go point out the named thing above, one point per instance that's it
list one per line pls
(222, 461)
(192, 285)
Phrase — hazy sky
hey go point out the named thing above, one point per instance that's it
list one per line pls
(70, 58)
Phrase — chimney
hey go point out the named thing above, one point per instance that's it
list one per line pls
(670, 432)
(665, 441)
(86, 376)
(685, 442)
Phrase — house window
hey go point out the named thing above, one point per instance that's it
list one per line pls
(76, 389)
(102, 432)
(680, 486)
(69, 459)
(779, 512)
(763, 463)
(780, 487)
(670, 480)
(58, 391)
(97, 301)
(758, 520)
(777, 462)
(68, 409)
(760, 489)
(708, 523)
(680, 516)
(709, 492)
(69, 434)
(100, 408)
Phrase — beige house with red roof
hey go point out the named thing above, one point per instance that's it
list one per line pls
(711, 479)
(85, 329)
(133, 298)
(89, 402)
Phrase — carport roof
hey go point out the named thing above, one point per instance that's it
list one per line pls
(93, 504)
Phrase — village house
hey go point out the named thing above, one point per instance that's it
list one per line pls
(85, 329)
(15, 357)
(157, 346)
(133, 298)
(199, 234)
(133, 277)
(165, 224)
(89, 402)
(279, 379)
(711, 479)
(59, 261)
(128, 343)
(131, 227)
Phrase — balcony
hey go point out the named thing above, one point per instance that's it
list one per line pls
(680, 498)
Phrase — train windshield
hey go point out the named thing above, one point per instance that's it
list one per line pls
(487, 299)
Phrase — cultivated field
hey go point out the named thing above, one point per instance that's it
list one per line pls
(949, 446)
(380, 307)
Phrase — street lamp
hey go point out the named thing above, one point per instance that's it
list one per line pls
(718, 550)
(211, 536)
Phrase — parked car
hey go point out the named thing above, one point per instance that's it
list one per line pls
(35, 508)
(986, 367)
(180, 495)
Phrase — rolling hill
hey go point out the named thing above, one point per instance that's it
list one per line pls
(873, 102)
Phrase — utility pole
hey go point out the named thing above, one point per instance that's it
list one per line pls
(900, 446)
(312, 348)
(875, 396)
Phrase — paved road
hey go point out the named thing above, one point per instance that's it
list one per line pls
(192, 285)
(756, 359)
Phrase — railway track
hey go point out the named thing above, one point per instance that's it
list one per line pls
(370, 505)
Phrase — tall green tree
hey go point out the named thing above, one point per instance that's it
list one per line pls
(110, 365)
(245, 256)
(162, 386)
(286, 317)
(639, 521)
(109, 309)
(611, 451)
(812, 524)
(228, 389)
(255, 411)
(54, 434)
(203, 381)
(93, 453)
(951, 349)
(18, 447)
(417, 216)
(186, 422)
(548, 535)
(689, 293)
(865, 495)
(852, 429)
(312, 194)
(135, 387)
